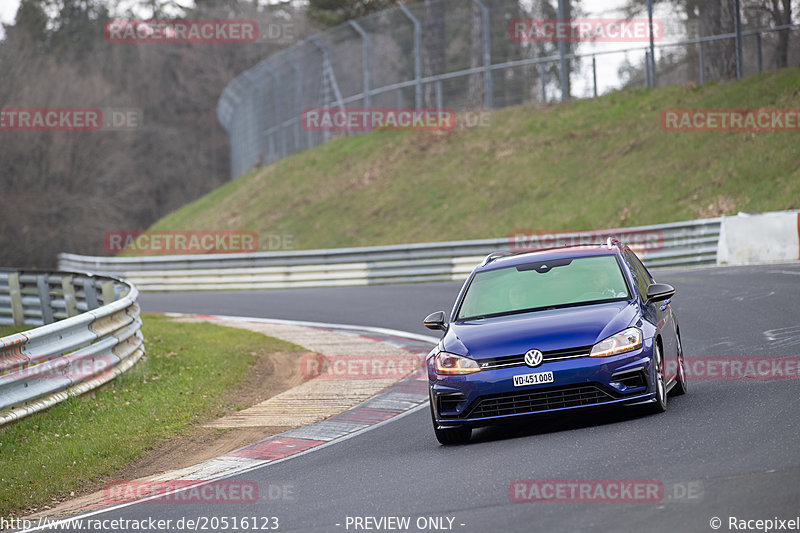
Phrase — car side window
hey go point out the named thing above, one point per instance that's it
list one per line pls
(642, 269)
(640, 276)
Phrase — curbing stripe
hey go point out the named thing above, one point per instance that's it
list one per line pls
(276, 447)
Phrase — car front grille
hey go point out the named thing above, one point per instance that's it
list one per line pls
(518, 360)
(515, 403)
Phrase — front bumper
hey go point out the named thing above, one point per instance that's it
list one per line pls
(489, 397)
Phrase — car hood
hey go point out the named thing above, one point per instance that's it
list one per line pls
(553, 329)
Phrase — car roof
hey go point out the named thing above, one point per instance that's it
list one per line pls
(509, 259)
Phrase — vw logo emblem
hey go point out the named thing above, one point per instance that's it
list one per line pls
(533, 358)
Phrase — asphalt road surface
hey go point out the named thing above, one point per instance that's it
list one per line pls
(726, 449)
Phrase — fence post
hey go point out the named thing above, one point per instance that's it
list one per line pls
(365, 65)
(652, 45)
(273, 93)
(417, 55)
(108, 292)
(327, 72)
(91, 294)
(70, 305)
(737, 22)
(594, 74)
(647, 79)
(298, 104)
(488, 83)
(759, 56)
(702, 62)
(542, 83)
(562, 53)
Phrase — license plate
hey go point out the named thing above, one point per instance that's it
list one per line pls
(533, 379)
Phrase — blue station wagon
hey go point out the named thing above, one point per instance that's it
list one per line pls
(549, 331)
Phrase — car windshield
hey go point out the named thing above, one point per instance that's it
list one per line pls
(543, 285)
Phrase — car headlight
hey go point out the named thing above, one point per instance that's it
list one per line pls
(624, 341)
(448, 363)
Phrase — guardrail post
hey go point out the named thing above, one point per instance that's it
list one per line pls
(17, 312)
(91, 294)
(417, 55)
(70, 304)
(108, 292)
(44, 299)
(594, 74)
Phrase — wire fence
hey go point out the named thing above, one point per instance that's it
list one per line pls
(464, 55)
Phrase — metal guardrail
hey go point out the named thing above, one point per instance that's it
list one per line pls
(680, 243)
(90, 333)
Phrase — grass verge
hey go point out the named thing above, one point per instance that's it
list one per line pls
(186, 378)
(10, 330)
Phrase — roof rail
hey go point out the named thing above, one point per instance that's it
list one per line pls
(495, 255)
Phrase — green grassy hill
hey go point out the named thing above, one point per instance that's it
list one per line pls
(590, 164)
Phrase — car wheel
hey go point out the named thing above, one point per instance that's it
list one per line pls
(680, 387)
(458, 435)
(660, 404)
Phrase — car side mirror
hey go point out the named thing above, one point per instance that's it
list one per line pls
(435, 321)
(658, 292)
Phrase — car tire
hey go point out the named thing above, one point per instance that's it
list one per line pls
(680, 385)
(457, 435)
(660, 405)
